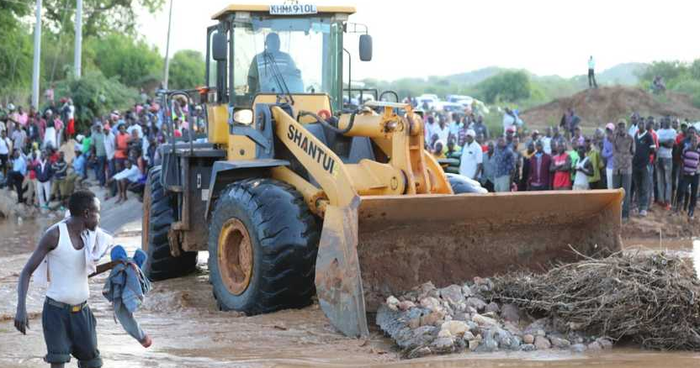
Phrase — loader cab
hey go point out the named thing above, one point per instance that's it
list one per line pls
(276, 49)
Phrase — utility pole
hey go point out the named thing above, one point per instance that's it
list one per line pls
(37, 57)
(78, 38)
(167, 49)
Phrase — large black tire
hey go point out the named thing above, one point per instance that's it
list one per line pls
(282, 235)
(159, 206)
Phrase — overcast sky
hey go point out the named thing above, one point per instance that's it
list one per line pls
(440, 37)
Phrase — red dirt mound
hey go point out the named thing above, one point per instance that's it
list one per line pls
(597, 107)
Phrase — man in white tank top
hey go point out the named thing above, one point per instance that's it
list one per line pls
(68, 322)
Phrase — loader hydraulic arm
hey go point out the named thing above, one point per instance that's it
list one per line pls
(321, 163)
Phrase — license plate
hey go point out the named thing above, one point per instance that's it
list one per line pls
(293, 9)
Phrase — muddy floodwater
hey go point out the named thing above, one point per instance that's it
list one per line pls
(189, 331)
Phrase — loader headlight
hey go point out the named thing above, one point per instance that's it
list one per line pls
(244, 117)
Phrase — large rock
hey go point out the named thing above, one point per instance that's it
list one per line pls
(559, 343)
(488, 344)
(492, 308)
(427, 289)
(467, 291)
(430, 303)
(431, 319)
(512, 328)
(456, 328)
(406, 305)
(483, 285)
(605, 343)
(594, 346)
(452, 294)
(484, 321)
(505, 339)
(392, 303)
(476, 303)
(542, 343)
(540, 324)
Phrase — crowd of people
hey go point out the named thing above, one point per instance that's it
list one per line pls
(655, 159)
(44, 155)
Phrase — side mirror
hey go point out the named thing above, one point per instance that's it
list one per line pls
(365, 47)
(219, 50)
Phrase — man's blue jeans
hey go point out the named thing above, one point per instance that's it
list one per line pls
(623, 181)
(101, 162)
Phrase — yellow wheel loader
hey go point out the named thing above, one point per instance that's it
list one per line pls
(294, 195)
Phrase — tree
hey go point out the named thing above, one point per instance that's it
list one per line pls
(186, 70)
(94, 96)
(510, 86)
(128, 59)
(668, 70)
(15, 48)
(100, 17)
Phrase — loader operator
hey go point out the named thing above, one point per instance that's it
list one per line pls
(273, 70)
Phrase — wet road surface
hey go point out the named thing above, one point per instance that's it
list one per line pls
(189, 331)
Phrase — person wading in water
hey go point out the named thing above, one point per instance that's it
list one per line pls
(69, 249)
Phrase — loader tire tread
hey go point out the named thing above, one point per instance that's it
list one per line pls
(161, 264)
(284, 236)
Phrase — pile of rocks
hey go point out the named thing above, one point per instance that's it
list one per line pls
(457, 318)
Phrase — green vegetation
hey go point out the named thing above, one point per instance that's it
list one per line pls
(128, 59)
(186, 70)
(94, 95)
(116, 61)
(678, 76)
(503, 87)
(517, 88)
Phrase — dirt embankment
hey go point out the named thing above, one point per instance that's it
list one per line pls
(597, 107)
(661, 224)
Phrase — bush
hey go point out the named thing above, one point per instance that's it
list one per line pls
(506, 86)
(130, 60)
(186, 70)
(691, 87)
(94, 95)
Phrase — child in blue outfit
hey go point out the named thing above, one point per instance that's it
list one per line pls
(125, 289)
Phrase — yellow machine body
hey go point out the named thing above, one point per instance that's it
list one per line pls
(392, 224)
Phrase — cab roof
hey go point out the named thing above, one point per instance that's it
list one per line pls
(259, 8)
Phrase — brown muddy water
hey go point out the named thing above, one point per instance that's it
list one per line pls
(189, 331)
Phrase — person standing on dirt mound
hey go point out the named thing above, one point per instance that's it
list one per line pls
(591, 73)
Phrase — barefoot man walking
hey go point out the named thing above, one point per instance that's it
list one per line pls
(67, 253)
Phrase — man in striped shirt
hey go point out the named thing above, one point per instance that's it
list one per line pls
(689, 176)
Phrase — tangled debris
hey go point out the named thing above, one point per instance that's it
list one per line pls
(650, 299)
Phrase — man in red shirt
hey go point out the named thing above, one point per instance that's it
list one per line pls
(121, 147)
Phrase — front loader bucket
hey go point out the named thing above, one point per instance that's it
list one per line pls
(404, 241)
